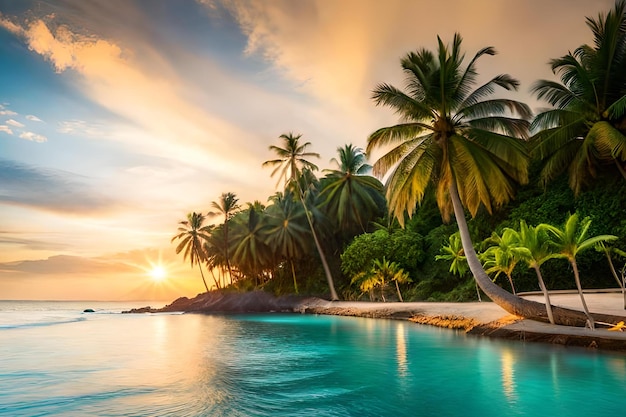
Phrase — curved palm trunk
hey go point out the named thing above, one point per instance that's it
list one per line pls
(399, 295)
(217, 283)
(202, 275)
(546, 295)
(511, 282)
(507, 301)
(580, 292)
(620, 282)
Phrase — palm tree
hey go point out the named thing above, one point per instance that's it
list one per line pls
(535, 240)
(453, 252)
(586, 127)
(295, 169)
(453, 137)
(227, 207)
(193, 234)
(379, 275)
(570, 240)
(287, 230)
(291, 159)
(503, 256)
(252, 254)
(353, 197)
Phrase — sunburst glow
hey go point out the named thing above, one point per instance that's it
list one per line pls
(158, 273)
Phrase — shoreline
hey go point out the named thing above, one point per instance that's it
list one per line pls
(483, 319)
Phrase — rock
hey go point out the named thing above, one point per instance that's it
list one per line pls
(88, 310)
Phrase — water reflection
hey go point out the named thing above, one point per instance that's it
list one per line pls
(508, 374)
(401, 351)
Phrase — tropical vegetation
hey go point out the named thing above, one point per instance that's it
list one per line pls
(461, 148)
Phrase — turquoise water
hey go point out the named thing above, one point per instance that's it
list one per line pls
(57, 361)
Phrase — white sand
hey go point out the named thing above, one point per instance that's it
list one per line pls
(486, 312)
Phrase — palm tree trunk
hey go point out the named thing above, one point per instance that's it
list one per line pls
(507, 301)
(293, 273)
(399, 295)
(546, 295)
(580, 292)
(202, 275)
(620, 282)
(217, 283)
(511, 282)
(329, 277)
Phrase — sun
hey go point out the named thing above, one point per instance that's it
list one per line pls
(158, 273)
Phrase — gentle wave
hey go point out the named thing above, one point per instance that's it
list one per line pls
(41, 323)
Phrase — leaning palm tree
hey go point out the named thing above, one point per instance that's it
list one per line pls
(193, 234)
(607, 250)
(349, 194)
(458, 140)
(585, 130)
(572, 239)
(294, 169)
(465, 145)
(227, 207)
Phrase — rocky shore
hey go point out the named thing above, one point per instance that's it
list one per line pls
(480, 319)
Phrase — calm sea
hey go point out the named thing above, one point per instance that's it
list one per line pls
(56, 360)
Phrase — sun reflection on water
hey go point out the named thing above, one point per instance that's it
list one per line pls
(401, 351)
(508, 374)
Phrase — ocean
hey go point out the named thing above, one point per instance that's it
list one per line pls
(56, 360)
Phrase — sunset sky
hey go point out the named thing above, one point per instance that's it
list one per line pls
(118, 117)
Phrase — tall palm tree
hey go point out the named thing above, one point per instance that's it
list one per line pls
(572, 239)
(193, 234)
(295, 169)
(349, 194)
(455, 138)
(287, 230)
(535, 240)
(585, 130)
(291, 159)
(227, 207)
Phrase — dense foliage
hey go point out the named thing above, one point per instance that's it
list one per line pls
(339, 230)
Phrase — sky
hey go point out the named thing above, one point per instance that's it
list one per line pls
(119, 117)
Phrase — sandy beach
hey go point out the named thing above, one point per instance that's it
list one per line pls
(488, 319)
(477, 318)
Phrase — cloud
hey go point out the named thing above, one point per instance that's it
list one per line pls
(34, 243)
(133, 77)
(49, 190)
(14, 123)
(80, 127)
(4, 111)
(66, 264)
(6, 129)
(33, 118)
(33, 137)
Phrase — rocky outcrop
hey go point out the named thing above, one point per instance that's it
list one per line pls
(232, 302)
